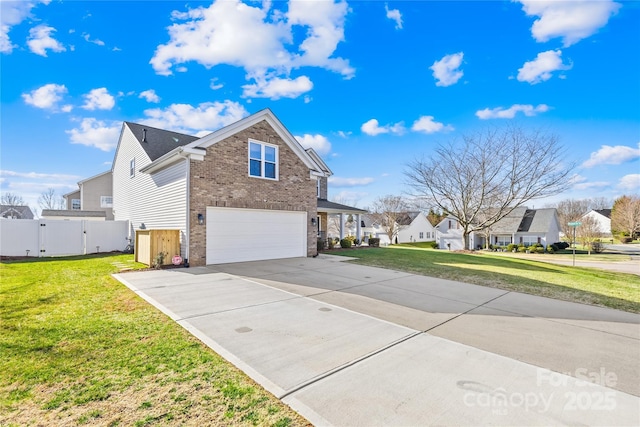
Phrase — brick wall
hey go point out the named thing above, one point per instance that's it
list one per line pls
(222, 180)
(323, 188)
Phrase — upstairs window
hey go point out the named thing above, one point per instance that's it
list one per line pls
(132, 168)
(263, 160)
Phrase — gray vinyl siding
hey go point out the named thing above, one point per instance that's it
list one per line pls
(93, 189)
(159, 201)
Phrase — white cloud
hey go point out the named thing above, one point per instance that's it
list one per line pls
(590, 185)
(509, 113)
(36, 175)
(150, 95)
(373, 128)
(394, 15)
(426, 124)
(87, 38)
(630, 182)
(199, 120)
(218, 35)
(96, 133)
(30, 185)
(99, 99)
(446, 71)
(344, 134)
(319, 143)
(540, 69)
(40, 40)
(608, 155)
(349, 182)
(214, 85)
(46, 97)
(570, 20)
(12, 13)
(276, 88)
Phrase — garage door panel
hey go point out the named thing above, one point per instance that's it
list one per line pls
(236, 235)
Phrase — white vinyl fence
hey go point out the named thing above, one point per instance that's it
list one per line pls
(44, 237)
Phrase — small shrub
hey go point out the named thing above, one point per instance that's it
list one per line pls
(539, 250)
(597, 247)
(562, 245)
(511, 247)
(550, 249)
(374, 242)
(345, 243)
(321, 244)
(432, 245)
(331, 243)
(522, 249)
(159, 260)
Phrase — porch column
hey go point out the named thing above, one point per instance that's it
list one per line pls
(341, 226)
(358, 229)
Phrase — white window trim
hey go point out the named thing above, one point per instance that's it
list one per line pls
(262, 160)
(132, 168)
(104, 203)
(79, 205)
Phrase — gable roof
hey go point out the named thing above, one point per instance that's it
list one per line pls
(22, 212)
(158, 142)
(406, 218)
(268, 116)
(604, 212)
(523, 220)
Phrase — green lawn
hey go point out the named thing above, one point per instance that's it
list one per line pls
(79, 348)
(585, 285)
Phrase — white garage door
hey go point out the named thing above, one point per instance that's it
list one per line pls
(236, 235)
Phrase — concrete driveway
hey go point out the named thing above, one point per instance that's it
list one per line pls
(352, 345)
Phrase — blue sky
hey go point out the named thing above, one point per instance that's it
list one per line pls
(370, 85)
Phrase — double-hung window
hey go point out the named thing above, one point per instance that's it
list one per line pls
(106, 201)
(263, 160)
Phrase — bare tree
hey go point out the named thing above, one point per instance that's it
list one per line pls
(12, 199)
(50, 200)
(598, 203)
(589, 232)
(570, 210)
(386, 211)
(491, 173)
(625, 216)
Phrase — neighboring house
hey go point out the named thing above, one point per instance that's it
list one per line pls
(521, 226)
(248, 191)
(449, 234)
(411, 226)
(15, 212)
(603, 218)
(67, 214)
(93, 194)
(415, 227)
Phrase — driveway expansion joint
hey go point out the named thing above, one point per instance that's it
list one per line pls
(465, 312)
(349, 364)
